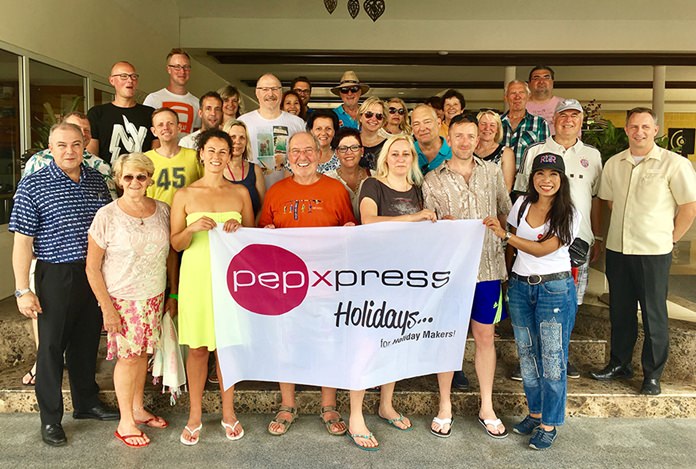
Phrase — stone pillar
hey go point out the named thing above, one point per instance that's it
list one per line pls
(658, 97)
(510, 74)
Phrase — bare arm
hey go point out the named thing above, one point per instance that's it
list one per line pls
(260, 183)
(507, 164)
(596, 222)
(684, 219)
(535, 248)
(368, 214)
(22, 254)
(95, 277)
(171, 305)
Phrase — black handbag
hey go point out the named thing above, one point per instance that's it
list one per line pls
(578, 252)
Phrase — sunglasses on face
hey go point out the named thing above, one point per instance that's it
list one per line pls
(377, 115)
(139, 177)
(400, 111)
(350, 89)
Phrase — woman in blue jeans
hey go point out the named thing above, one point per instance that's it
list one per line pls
(541, 293)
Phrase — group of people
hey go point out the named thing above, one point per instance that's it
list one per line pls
(184, 166)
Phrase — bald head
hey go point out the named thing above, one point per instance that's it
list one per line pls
(268, 92)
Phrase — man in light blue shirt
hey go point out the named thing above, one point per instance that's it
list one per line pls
(350, 90)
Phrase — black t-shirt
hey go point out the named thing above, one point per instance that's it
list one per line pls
(391, 203)
(121, 130)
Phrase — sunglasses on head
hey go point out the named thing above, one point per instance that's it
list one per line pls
(377, 115)
(350, 89)
(139, 177)
(400, 111)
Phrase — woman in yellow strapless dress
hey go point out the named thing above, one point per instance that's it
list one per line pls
(196, 209)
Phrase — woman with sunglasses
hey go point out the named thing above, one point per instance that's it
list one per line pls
(490, 148)
(348, 148)
(198, 208)
(371, 116)
(394, 194)
(397, 118)
(541, 293)
(127, 262)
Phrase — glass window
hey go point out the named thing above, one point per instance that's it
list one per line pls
(102, 96)
(53, 94)
(10, 169)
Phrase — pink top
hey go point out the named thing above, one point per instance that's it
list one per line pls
(545, 110)
(135, 261)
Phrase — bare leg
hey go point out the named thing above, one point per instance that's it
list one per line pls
(196, 373)
(139, 412)
(287, 399)
(228, 414)
(328, 398)
(357, 420)
(125, 379)
(444, 383)
(485, 361)
(386, 406)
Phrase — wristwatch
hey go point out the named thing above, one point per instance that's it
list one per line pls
(19, 293)
(508, 235)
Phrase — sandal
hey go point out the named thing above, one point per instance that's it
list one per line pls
(192, 432)
(442, 423)
(331, 422)
(496, 423)
(369, 436)
(285, 423)
(125, 438)
(153, 422)
(32, 379)
(392, 422)
(232, 427)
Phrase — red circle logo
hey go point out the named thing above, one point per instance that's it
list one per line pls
(267, 279)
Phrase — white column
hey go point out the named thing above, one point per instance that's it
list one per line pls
(658, 97)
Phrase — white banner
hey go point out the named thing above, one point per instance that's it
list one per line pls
(344, 307)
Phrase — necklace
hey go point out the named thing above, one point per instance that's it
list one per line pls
(232, 172)
(140, 216)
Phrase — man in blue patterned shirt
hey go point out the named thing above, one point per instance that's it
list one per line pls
(52, 212)
(520, 128)
(43, 158)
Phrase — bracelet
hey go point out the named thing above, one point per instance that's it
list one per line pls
(174, 296)
(598, 238)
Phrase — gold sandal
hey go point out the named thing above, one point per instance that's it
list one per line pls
(285, 423)
(332, 422)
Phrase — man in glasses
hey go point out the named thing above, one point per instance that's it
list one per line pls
(432, 149)
(542, 102)
(121, 126)
(303, 88)
(175, 95)
(350, 90)
(270, 128)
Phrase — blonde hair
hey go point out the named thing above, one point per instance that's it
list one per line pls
(404, 126)
(235, 123)
(414, 176)
(369, 102)
(138, 161)
(496, 118)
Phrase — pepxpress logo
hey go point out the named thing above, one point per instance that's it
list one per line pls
(270, 280)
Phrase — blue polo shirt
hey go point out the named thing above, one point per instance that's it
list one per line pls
(444, 154)
(344, 119)
(57, 212)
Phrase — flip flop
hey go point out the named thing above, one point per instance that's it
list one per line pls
(231, 427)
(31, 381)
(392, 422)
(496, 423)
(148, 422)
(125, 438)
(285, 423)
(331, 422)
(191, 432)
(353, 436)
(442, 423)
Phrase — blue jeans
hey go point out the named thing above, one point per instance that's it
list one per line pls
(543, 316)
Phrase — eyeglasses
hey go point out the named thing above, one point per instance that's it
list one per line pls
(303, 92)
(400, 111)
(350, 89)
(343, 149)
(139, 177)
(178, 68)
(266, 89)
(126, 76)
(299, 151)
(377, 115)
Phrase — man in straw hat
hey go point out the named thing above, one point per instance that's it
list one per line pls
(349, 89)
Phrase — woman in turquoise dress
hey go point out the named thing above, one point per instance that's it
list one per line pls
(196, 209)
